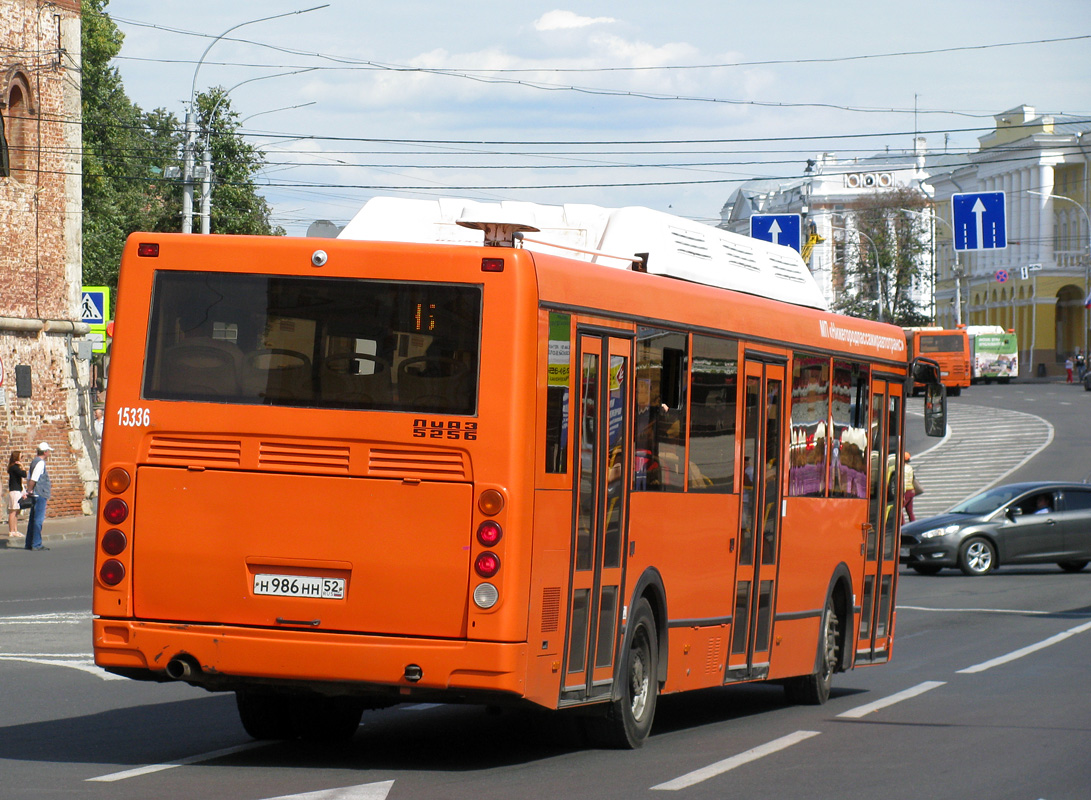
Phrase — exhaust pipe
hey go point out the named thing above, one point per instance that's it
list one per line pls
(182, 668)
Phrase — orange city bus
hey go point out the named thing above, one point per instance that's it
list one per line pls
(504, 468)
(950, 348)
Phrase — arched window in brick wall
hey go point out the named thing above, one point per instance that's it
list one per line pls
(18, 111)
(5, 165)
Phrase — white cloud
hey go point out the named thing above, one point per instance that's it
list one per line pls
(567, 20)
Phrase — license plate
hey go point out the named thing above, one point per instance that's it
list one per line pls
(300, 586)
(905, 552)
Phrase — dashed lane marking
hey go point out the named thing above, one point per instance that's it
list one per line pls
(1026, 651)
(728, 764)
(869, 708)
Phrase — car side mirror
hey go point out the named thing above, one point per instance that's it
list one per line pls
(1014, 512)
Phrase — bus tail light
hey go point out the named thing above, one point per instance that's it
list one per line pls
(114, 542)
(116, 511)
(492, 265)
(112, 572)
(485, 595)
(148, 250)
(489, 533)
(487, 564)
(490, 503)
(117, 480)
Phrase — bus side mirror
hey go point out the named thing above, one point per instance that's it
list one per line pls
(935, 409)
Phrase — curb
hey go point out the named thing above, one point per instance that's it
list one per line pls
(58, 529)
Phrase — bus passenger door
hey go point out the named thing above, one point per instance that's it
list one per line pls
(600, 527)
(759, 522)
(880, 535)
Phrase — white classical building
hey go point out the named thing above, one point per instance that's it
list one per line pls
(825, 196)
(1036, 286)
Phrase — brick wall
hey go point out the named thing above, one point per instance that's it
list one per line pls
(40, 253)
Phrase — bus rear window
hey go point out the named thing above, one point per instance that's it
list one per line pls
(942, 344)
(314, 342)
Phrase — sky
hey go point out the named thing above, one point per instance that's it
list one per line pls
(669, 105)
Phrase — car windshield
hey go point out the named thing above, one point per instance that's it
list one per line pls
(986, 502)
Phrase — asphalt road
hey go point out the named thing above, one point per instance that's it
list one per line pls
(985, 698)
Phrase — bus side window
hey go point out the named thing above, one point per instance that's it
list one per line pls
(558, 369)
(810, 419)
(659, 425)
(714, 398)
(849, 430)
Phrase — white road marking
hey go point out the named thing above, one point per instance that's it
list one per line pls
(80, 661)
(864, 710)
(148, 770)
(1016, 611)
(720, 767)
(365, 791)
(58, 618)
(1026, 651)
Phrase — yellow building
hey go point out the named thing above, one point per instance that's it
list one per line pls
(1038, 284)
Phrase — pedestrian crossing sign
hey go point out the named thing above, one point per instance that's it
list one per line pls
(95, 305)
(95, 311)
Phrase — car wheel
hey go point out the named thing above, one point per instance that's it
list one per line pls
(1072, 566)
(978, 557)
(926, 569)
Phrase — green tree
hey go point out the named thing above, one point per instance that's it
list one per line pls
(236, 206)
(887, 226)
(126, 153)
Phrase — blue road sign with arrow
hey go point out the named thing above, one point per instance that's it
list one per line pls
(978, 221)
(783, 229)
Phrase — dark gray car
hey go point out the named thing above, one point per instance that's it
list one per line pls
(1018, 523)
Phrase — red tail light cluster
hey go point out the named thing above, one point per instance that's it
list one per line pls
(489, 533)
(114, 542)
(487, 564)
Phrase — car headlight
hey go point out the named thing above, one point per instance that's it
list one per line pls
(936, 532)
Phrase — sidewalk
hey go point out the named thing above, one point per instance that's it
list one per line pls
(54, 530)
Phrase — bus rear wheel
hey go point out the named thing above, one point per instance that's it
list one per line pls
(628, 720)
(274, 715)
(814, 689)
(266, 715)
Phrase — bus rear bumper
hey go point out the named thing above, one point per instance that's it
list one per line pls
(225, 658)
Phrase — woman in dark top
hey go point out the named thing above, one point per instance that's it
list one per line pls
(16, 473)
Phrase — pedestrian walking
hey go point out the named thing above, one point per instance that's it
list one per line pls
(1068, 369)
(1081, 364)
(16, 473)
(911, 487)
(38, 487)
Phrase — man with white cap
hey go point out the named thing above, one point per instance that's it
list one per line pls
(38, 486)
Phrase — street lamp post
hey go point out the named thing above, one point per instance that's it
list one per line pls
(191, 119)
(956, 270)
(878, 271)
(1086, 264)
(206, 157)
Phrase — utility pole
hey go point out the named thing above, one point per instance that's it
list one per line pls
(191, 120)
